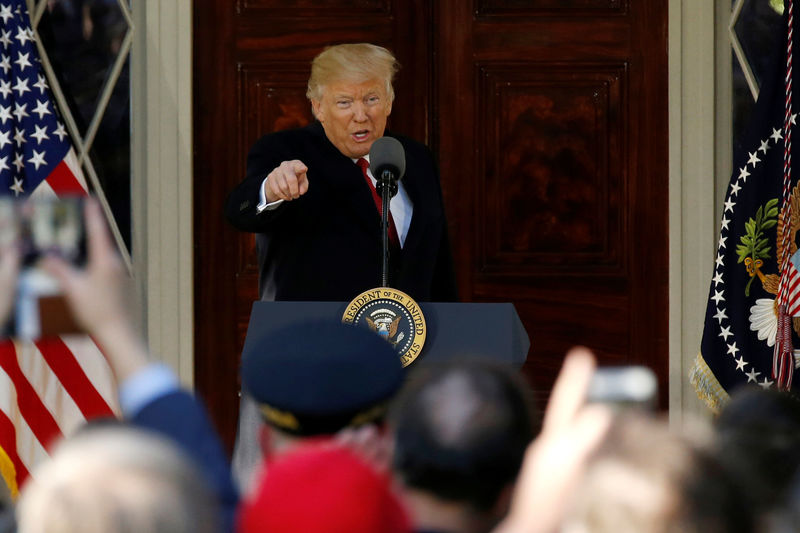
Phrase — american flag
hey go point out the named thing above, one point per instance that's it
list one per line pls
(50, 387)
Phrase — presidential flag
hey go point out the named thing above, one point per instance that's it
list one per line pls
(750, 329)
(50, 387)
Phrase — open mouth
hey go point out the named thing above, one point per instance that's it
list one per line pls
(361, 136)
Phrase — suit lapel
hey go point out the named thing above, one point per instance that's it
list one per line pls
(347, 182)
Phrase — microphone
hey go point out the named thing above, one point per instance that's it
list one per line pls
(387, 161)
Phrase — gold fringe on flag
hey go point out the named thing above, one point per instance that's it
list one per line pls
(706, 385)
(8, 473)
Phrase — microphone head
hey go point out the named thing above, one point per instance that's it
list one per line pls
(387, 153)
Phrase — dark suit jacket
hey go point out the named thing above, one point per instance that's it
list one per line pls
(326, 245)
(181, 417)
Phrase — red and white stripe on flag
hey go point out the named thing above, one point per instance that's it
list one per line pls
(66, 179)
(47, 388)
(50, 388)
(792, 276)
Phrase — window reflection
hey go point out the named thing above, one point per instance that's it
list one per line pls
(759, 31)
(83, 39)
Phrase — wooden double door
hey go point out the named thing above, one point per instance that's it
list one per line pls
(549, 122)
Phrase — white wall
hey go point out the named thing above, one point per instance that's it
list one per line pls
(162, 177)
(699, 159)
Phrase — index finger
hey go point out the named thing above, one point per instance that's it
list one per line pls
(298, 166)
(100, 244)
(569, 391)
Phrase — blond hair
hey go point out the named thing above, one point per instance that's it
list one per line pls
(358, 62)
(117, 479)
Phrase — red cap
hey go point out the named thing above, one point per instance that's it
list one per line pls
(322, 488)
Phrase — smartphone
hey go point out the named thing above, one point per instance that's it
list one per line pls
(624, 386)
(40, 227)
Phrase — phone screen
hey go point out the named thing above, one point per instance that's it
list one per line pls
(624, 386)
(39, 227)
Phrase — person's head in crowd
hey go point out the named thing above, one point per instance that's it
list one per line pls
(315, 378)
(322, 488)
(460, 430)
(647, 477)
(351, 94)
(116, 479)
(636, 481)
(757, 442)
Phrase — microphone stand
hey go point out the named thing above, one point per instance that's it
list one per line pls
(387, 183)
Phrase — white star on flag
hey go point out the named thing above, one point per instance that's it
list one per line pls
(41, 84)
(22, 36)
(37, 159)
(60, 132)
(41, 109)
(20, 111)
(40, 134)
(752, 376)
(743, 173)
(5, 13)
(729, 205)
(21, 86)
(17, 187)
(22, 61)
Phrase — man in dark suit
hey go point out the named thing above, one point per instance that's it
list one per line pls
(311, 201)
(314, 208)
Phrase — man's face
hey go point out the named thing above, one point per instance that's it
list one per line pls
(353, 114)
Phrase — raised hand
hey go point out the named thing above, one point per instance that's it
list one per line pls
(288, 181)
(98, 296)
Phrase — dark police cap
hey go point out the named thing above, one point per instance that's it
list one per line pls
(318, 377)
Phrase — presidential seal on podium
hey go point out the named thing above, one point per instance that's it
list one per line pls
(391, 313)
(394, 315)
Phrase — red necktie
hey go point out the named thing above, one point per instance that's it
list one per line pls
(393, 238)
